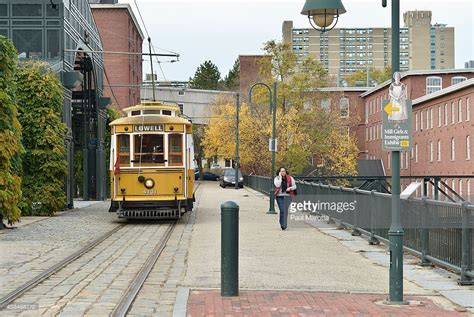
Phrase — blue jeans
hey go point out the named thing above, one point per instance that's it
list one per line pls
(283, 204)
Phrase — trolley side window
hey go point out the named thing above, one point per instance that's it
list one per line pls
(149, 149)
(123, 146)
(175, 151)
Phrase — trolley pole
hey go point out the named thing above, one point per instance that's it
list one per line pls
(395, 233)
(236, 163)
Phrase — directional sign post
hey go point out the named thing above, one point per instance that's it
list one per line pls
(397, 132)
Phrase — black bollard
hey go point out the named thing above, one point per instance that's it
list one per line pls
(229, 249)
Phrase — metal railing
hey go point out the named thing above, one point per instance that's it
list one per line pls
(439, 232)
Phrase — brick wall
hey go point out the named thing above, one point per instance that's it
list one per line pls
(119, 34)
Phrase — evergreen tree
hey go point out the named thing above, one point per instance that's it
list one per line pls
(232, 80)
(207, 76)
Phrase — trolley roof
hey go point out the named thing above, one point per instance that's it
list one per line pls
(141, 118)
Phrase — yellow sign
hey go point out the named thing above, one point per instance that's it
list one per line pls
(389, 109)
(404, 143)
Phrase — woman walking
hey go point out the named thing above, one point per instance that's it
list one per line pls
(285, 186)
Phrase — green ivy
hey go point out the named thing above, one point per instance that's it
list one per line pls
(40, 100)
(10, 135)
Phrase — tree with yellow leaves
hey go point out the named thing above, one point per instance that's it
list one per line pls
(305, 128)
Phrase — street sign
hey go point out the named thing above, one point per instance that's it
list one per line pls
(272, 145)
(397, 131)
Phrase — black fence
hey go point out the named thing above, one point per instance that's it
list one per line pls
(439, 232)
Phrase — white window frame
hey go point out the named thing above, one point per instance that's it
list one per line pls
(468, 109)
(453, 149)
(453, 113)
(432, 86)
(459, 110)
(416, 121)
(439, 116)
(427, 113)
(468, 147)
(431, 118)
(439, 151)
(416, 153)
(459, 79)
(431, 151)
(341, 107)
(446, 114)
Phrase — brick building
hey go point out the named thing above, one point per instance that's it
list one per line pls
(250, 71)
(120, 32)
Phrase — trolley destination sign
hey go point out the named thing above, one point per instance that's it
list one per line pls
(148, 128)
(397, 132)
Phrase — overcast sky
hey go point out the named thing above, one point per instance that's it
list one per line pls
(221, 30)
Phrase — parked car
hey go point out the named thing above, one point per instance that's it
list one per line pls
(228, 178)
(215, 167)
(207, 176)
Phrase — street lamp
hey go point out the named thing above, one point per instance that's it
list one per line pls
(272, 103)
(395, 233)
(236, 163)
(323, 14)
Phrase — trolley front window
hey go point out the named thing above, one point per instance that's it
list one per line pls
(175, 154)
(123, 147)
(149, 149)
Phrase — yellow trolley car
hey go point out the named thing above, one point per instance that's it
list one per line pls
(152, 163)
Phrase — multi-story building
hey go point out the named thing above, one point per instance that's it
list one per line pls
(120, 33)
(342, 51)
(63, 33)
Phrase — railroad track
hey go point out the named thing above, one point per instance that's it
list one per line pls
(131, 293)
(16, 293)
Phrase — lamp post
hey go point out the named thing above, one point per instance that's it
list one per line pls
(272, 104)
(323, 13)
(236, 162)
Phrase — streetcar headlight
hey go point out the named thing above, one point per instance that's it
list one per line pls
(149, 183)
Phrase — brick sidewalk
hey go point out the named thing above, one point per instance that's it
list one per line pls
(302, 303)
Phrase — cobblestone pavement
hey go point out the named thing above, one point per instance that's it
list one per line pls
(300, 303)
(93, 284)
(29, 250)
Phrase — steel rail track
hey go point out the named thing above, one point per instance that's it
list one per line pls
(131, 293)
(16, 293)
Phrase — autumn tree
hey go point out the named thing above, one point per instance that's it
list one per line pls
(207, 76)
(10, 136)
(305, 127)
(378, 75)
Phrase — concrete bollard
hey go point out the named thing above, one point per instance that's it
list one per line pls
(229, 249)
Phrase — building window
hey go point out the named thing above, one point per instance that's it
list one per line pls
(439, 151)
(445, 114)
(406, 160)
(52, 44)
(452, 112)
(416, 153)
(427, 119)
(431, 151)
(431, 118)
(326, 103)
(433, 83)
(453, 149)
(460, 111)
(388, 160)
(468, 147)
(344, 107)
(457, 80)
(181, 108)
(416, 121)
(181, 93)
(366, 133)
(468, 185)
(29, 43)
(27, 10)
(468, 109)
(439, 116)
(421, 120)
